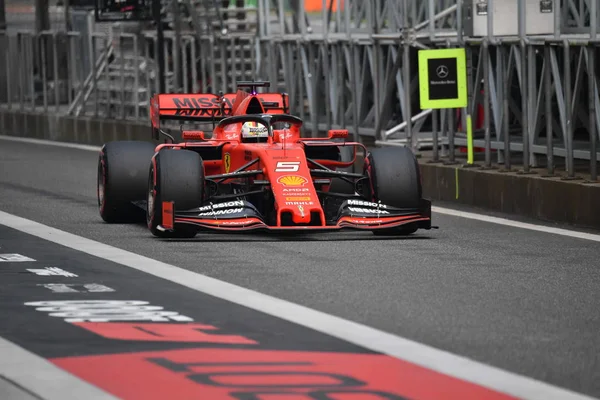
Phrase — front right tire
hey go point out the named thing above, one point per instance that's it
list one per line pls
(395, 180)
(121, 180)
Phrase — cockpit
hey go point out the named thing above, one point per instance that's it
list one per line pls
(259, 128)
(254, 129)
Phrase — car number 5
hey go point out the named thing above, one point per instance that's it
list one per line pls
(287, 166)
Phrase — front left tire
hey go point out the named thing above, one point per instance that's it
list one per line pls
(177, 176)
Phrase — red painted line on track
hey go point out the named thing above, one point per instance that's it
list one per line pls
(190, 333)
(267, 375)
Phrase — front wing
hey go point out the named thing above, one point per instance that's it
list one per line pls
(243, 216)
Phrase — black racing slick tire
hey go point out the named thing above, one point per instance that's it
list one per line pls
(122, 173)
(340, 185)
(396, 181)
(177, 176)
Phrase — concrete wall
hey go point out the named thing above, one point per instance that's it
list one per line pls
(70, 129)
(549, 199)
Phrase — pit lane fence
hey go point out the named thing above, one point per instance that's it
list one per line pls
(111, 75)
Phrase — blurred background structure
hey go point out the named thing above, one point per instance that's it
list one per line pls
(532, 68)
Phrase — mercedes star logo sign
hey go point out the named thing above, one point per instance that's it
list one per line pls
(442, 71)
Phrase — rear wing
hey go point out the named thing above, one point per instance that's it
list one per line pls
(212, 107)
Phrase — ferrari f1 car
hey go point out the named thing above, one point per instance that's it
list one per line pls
(255, 172)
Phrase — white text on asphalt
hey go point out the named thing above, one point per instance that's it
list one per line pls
(107, 311)
(70, 288)
(52, 271)
(14, 258)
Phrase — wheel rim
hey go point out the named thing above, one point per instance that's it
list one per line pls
(151, 202)
(151, 199)
(101, 187)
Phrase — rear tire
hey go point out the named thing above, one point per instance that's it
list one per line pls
(396, 181)
(179, 178)
(121, 179)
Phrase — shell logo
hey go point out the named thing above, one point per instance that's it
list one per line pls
(292, 180)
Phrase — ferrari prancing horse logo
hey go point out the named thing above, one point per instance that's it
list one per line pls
(227, 162)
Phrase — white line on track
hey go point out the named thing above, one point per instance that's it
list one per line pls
(361, 335)
(42, 378)
(439, 210)
(516, 224)
(50, 143)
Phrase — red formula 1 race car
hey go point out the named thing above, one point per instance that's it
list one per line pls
(256, 172)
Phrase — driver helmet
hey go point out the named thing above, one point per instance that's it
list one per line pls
(254, 129)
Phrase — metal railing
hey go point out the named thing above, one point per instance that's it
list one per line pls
(534, 99)
(40, 71)
(365, 77)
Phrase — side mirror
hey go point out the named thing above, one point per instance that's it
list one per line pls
(337, 133)
(192, 135)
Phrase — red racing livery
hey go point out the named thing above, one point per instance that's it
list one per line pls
(255, 171)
